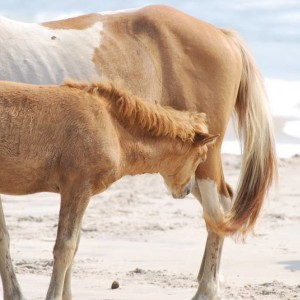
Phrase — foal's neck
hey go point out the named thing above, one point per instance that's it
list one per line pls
(148, 154)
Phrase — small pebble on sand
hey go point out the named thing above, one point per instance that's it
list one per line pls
(115, 285)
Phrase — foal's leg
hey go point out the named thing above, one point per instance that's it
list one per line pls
(11, 288)
(67, 291)
(206, 191)
(73, 204)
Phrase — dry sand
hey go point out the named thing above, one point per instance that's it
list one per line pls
(152, 245)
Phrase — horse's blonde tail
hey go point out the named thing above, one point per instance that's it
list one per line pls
(259, 166)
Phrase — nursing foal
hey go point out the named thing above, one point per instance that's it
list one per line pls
(76, 140)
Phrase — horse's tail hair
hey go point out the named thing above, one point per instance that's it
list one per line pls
(259, 162)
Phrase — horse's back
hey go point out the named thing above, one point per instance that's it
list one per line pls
(156, 52)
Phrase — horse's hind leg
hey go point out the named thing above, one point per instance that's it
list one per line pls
(11, 288)
(209, 276)
(207, 191)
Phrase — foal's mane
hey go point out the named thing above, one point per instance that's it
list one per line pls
(156, 119)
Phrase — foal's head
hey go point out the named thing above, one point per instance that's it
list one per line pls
(179, 175)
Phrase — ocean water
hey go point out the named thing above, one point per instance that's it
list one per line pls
(270, 27)
(284, 102)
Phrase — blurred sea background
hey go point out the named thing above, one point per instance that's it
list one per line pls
(271, 29)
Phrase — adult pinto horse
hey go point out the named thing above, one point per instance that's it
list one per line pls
(158, 52)
(77, 140)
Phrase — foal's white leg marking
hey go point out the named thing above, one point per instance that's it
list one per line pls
(11, 288)
(36, 54)
(209, 277)
(67, 290)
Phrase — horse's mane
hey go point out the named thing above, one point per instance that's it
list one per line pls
(156, 119)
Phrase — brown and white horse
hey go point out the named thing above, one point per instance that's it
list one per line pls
(161, 53)
(78, 139)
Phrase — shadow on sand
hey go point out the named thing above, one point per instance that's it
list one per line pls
(293, 265)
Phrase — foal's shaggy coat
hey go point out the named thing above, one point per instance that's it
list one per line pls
(77, 139)
(151, 117)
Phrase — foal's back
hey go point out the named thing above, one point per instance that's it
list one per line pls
(46, 131)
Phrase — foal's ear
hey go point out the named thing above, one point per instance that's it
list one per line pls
(202, 138)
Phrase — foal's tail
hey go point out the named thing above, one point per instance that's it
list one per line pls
(259, 166)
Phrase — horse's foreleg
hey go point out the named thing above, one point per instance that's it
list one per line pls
(209, 276)
(73, 204)
(11, 288)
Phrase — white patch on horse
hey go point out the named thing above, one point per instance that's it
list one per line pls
(33, 53)
(129, 10)
(214, 204)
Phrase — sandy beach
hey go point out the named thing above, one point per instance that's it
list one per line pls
(135, 233)
(152, 245)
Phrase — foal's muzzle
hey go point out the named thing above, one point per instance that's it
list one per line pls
(186, 191)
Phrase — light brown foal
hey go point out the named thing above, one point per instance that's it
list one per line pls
(78, 139)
